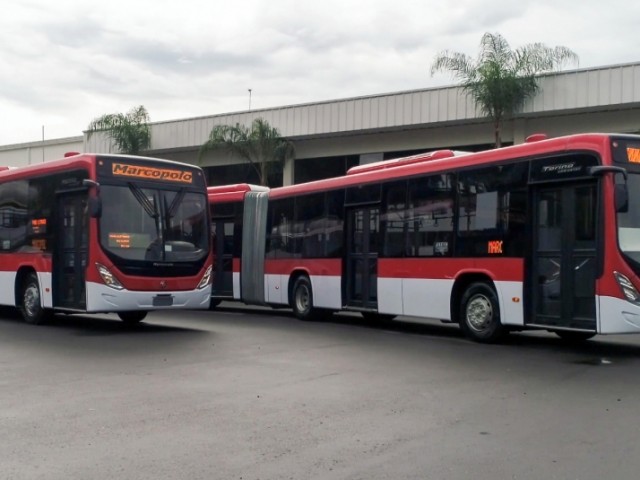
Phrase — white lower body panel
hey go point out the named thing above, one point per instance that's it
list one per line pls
(236, 286)
(101, 298)
(617, 316)
(7, 294)
(325, 290)
(430, 298)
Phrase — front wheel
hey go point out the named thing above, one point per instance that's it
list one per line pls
(31, 302)
(480, 314)
(131, 318)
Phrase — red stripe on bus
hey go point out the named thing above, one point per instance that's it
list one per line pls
(502, 269)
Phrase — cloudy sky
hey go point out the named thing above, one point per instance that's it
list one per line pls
(66, 62)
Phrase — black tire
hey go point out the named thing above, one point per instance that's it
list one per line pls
(214, 303)
(574, 337)
(302, 299)
(31, 302)
(480, 314)
(377, 318)
(131, 318)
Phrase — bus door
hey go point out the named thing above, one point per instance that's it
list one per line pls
(564, 261)
(363, 232)
(223, 247)
(71, 251)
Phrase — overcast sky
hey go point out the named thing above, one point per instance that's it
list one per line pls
(65, 62)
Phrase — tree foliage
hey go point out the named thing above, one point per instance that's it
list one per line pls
(261, 145)
(130, 132)
(500, 80)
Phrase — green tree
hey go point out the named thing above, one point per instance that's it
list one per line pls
(261, 145)
(130, 132)
(500, 80)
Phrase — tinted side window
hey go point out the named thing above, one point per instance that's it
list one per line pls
(309, 225)
(430, 216)
(492, 210)
(281, 242)
(334, 224)
(393, 219)
(13, 215)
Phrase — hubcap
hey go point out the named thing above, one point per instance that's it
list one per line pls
(479, 313)
(31, 300)
(302, 299)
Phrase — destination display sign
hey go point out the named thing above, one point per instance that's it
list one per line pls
(151, 173)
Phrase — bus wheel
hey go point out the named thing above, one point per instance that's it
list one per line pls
(213, 303)
(574, 337)
(131, 318)
(302, 299)
(480, 314)
(31, 302)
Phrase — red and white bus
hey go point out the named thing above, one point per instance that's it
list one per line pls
(104, 233)
(543, 235)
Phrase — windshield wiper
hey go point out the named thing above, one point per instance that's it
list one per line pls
(177, 200)
(142, 199)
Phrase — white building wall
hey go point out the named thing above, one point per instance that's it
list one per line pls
(23, 154)
(604, 99)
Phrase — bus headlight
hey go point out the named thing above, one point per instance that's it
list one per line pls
(627, 287)
(108, 278)
(206, 279)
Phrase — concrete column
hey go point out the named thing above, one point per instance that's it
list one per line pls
(288, 171)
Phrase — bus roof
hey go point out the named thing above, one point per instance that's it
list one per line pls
(85, 160)
(399, 168)
(234, 192)
(399, 162)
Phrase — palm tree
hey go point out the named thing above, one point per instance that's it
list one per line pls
(500, 80)
(130, 132)
(261, 145)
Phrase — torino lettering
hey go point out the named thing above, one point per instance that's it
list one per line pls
(164, 174)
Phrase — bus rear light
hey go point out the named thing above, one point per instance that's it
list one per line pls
(108, 278)
(627, 287)
(206, 279)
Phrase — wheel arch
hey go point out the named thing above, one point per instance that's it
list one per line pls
(21, 276)
(462, 282)
(295, 274)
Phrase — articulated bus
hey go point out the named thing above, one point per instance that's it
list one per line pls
(104, 233)
(543, 235)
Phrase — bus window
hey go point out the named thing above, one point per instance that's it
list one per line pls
(430, 218)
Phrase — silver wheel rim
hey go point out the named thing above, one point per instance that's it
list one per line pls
(479, 313)
(303, 299)
(31, 300)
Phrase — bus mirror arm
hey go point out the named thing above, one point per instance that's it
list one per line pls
(621, 192)
(601, 170)
(95, 202)
(91, 183)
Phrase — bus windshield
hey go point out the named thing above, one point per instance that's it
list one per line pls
(629, 222)
(152, 224)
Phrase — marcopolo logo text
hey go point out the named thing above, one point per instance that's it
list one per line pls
(151, 173)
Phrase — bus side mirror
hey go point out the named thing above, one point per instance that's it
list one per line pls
(621, 197)
(95, 207)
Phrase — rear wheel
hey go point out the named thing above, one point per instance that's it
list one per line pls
(480, 314)
(302, 299)
(31, 302)
(131, 318)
